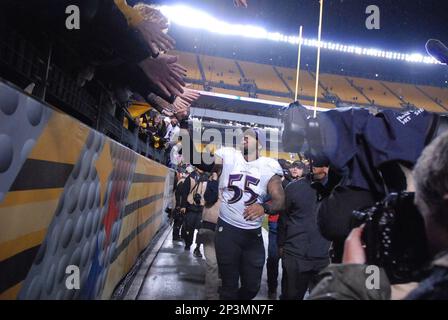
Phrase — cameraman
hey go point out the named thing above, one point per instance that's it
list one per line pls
(347, 281)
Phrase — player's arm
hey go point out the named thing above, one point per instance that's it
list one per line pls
(277, 194)
(275, 190)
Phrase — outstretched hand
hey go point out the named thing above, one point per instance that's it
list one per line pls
(165, 73)
(154, 36)
(190, 95)
(183, 102)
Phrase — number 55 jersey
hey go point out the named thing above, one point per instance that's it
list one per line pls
(243, 183)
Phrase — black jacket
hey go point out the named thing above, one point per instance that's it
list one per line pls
(298, 233)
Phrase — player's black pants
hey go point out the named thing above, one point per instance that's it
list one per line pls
(240, 254)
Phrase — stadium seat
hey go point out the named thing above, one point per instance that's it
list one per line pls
(220, 70)
(189, 61)
(326, 105)
(264, 76)
(441, 94)
(412, 95)
(377, 93)
(196, 86)
(342, 88)
(306, 85)
(226, 71)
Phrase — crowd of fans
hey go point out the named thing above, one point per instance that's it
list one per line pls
(123, 48)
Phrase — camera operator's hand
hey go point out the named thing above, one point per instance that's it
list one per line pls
(353, 248)
(153, 34)
(165, 73)
(253, 212)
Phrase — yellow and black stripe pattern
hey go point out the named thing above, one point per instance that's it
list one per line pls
(69, 196)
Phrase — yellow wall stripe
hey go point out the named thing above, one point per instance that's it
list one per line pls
(132, 221)
(24, 219)
(126, 259)
(59, 128)
(146, 166)
(11, 293)
(30, 196)
(15, 246)
(140, 191)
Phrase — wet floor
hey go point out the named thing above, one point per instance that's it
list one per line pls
(176, 274)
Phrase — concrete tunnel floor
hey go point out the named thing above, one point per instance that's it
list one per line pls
(175, 274)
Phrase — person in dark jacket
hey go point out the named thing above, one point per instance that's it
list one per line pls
(178, 217)
(347, 280)
(303, 250)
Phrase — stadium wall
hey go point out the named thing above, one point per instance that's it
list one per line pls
(70, 196)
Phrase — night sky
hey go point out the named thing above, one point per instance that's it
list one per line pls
(406, 25)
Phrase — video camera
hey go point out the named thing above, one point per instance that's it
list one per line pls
(301, 131)
(395, 238)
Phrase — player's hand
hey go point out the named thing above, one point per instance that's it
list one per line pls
(353, 249)
(183, 210)
(253, 212)
(240, 3)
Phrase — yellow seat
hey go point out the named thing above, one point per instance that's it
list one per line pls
(377, 93)
(264, 76)
(441, 94)
(342, 88)
(412, 95)
(220, 70)
(306, 82)
(189, 61)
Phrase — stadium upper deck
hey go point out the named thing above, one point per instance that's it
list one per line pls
(267, 82)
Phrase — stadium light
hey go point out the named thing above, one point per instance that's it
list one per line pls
(193, 18)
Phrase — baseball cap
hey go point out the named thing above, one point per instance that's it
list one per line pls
(298, 164)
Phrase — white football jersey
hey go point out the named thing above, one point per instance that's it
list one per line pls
(243, 183)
